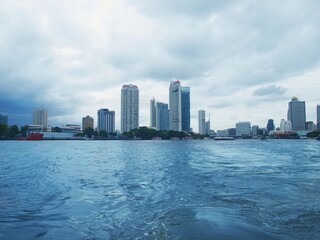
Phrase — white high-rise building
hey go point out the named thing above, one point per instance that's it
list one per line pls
(129, 107)
(175, 118)
(40, 117)
(285, 126)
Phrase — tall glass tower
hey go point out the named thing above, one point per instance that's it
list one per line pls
(129, 107)
(153, 113)
(106, 120)
(175, 106)
(185, 109)
(297, 114)
(162, 115)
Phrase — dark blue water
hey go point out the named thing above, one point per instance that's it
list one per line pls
(243, 189)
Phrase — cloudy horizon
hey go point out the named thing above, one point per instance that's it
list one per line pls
(243, 60)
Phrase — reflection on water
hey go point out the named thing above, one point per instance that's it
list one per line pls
(159, 189)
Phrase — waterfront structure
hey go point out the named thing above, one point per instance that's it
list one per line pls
(175, 122)
(153, 113)
(162, 116)
(243, 129)
(201, 121)
(185, 109)
(40, 117)
(255, 130)
(3, 119)
(270, 125)
(87, 122)
(285, 126)
(129, 107)
(222, 133)
(297, 114)
(106, 120)
(232, 132)
(318, 116)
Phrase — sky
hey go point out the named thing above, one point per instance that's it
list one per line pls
(243, 60)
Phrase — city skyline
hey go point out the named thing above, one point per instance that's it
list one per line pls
(242, 60)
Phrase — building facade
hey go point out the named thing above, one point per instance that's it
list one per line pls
(4, 120)
(40, 117)
(201, 121)
(297, 114)
(106, 120)
(162, 116)
(87, 122)
(185, 109)
(153, 113)
(175, 122)
(270, 125)
(243, 129)
(129, 107)
(318, 116)
(255, 130)
(285, 126)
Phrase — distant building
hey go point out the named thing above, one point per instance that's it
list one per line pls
(185, 109)
(270, 125)
(310, 126)
(201, 121)
(106, 120)
(297, 114)
(162, 116)
(318, 116)
(87, 122)
(3, 119)
(129, 107)
(243, 129)
(153, 113)
(255, 130)
(222, 133)
(40, 117)
(175, 122)
(285, 126)
(232, 132)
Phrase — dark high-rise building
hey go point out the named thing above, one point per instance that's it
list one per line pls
(106, 120)
(153, 113)
(297, 114)
(185, 109)
(318, 116)
(270, 125)
(162, 116)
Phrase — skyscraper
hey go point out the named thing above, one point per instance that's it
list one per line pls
(152, 113)
(87, 122)
(40, 117)
(162, 116)
(285, 126)
(106, 120)
(202, 120)
(297, 114)
(243, 129)
(185, 109)
(270, 125)
(318, 116)
(3, 119)
(175, 106)
(129, 107)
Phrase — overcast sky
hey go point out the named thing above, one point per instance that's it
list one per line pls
(243, 60)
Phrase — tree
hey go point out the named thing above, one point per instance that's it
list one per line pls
(88, 132)
(103, 134)
(13, 131)
(24, 130)
(3, 130)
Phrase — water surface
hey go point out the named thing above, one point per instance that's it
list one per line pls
(243, 189)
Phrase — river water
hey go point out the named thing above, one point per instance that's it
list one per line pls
(242, 189)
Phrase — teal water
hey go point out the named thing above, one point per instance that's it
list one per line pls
(243, 189)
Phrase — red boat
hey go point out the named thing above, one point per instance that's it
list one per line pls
(35, 136)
